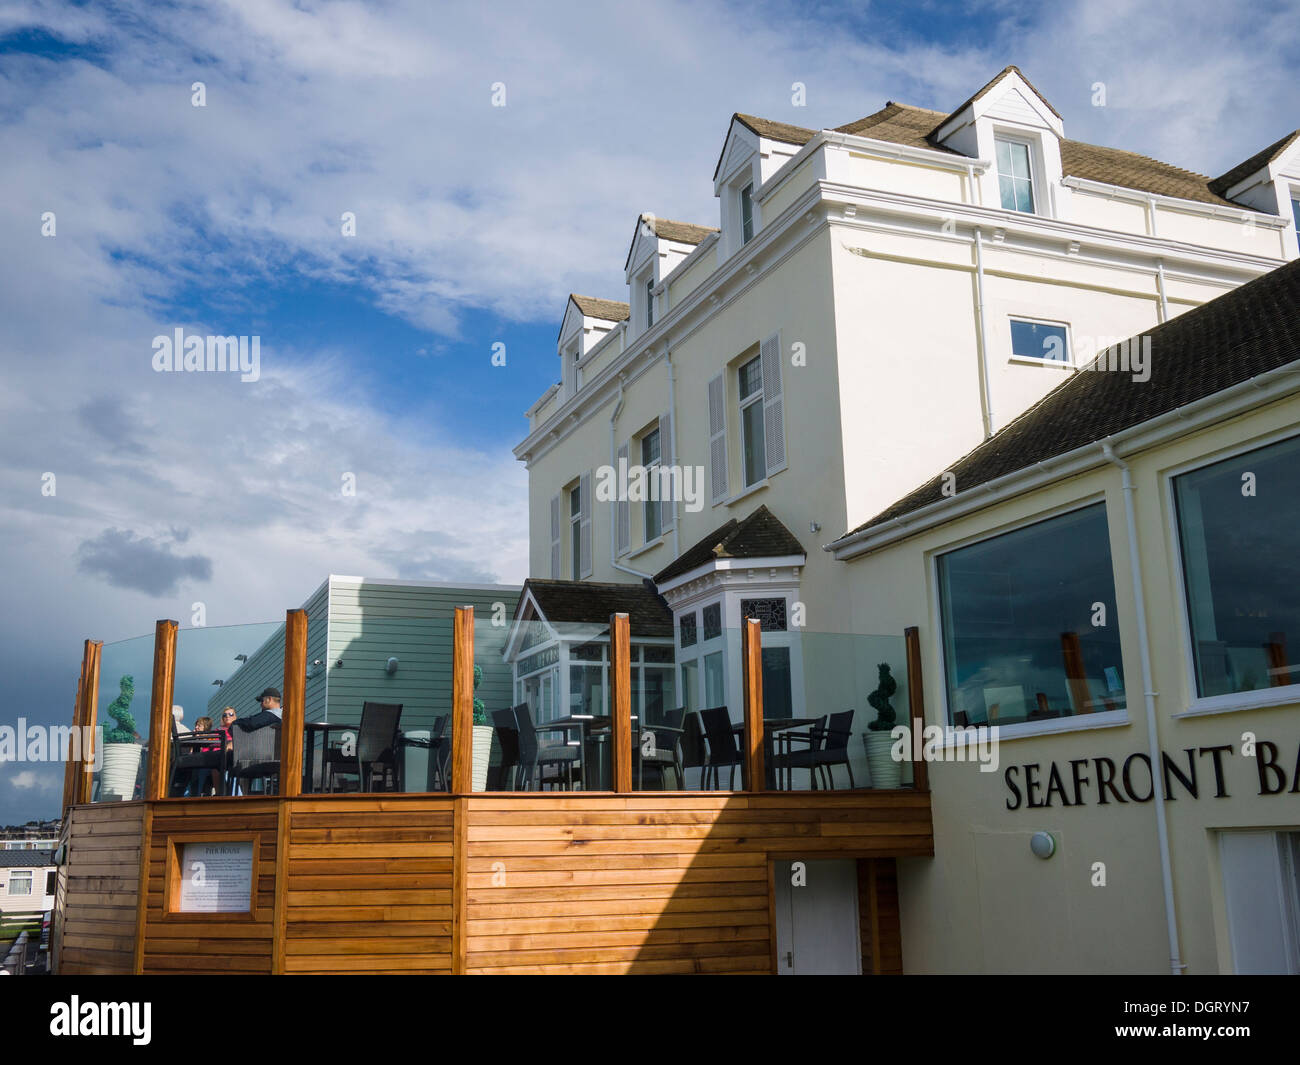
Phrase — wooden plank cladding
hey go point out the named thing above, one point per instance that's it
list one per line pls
(369, 885)
(654, 884)
(99, 883)
(503, 883)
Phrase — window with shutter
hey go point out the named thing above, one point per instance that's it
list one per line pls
(718, 437)
(667, 505)
(584, 530)
(555, 537)
(622, 508)
(773, 405)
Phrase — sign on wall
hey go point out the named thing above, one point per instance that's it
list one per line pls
(216, 877)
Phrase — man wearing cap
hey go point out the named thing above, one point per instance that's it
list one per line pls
(269, 714)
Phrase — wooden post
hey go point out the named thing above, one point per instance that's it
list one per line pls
(1279, 672)
(72, 767)
(620, 699)
(295, 700)
(462, 702)
(1075, 677)
(916, 706)
(751, 682)
(89, 714)
(160, 709)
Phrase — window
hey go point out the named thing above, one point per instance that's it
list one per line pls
(575, 529)
(778, 700)
(751, 421)
(20, 882)
(51, 882)
(1043, 341)
(747, 213)
(1029, 624)
(715, 693)
(702, 660)
(1015, 182)
(686, 629)
(1295, 212)
(1236, 527)
(649, 302)
(650, 461)
(713, 621)
(770, 613)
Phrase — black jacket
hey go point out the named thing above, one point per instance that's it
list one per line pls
(259, 720)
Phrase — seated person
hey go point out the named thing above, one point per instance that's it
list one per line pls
(269, 714)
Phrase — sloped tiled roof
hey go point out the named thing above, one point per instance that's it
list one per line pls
(592, 602)
(25, 859)
(997, 78)
(1239, 335)
(682, 232)
(1221, 184)
(777, 131)
(761, 535)
(605, 310)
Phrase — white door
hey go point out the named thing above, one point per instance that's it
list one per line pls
(1261, 890)
(817, 918)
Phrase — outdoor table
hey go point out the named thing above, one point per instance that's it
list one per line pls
(770, 726)
(324, 728)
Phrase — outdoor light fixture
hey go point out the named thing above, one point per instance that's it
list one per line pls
(814, 526)
(241, 658)
(1043, 844)
(317, 668)
(218, 683)
(391, 668)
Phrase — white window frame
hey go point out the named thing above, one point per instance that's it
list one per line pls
(1024, 729)
(743, 403)
(1031, 360)
(747, 193)
(30, 881)
(573, 523)
(1036, 183)
(650, 302)
(649, 506)
(1198, 704)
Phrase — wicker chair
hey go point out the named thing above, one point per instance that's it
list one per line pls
(257, 757)
(188, 760)
(375, 747)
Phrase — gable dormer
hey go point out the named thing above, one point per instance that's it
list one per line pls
(753, 151)
(586, 321)
(1010, 123)
(658, 246)
(1268, 181)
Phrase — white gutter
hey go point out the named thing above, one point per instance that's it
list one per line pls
(1228, 403)
(984, 334)
(1155, 199)
(1176, 965)
(613, 510)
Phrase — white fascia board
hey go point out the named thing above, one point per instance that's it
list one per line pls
(395, 582)
(731, 161)
(1192, 417)
(1209, 210)
(719, 565)
(542, 400)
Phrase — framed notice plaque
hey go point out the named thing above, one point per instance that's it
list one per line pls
(212, 876)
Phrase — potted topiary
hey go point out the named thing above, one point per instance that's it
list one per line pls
(121, 747)
(482, 737)
(886, 772)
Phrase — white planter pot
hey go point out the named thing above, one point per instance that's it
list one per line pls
(117, 774)
(482, 754)
(885, 772)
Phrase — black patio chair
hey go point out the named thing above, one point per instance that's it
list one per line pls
(257, 757)
(535, 756)
(724, 750)
(374, 748)
(436, 775)
(835, 747)
(787, 756)
(695, 753)
(506, 726)
(666, 751)
(189, 763)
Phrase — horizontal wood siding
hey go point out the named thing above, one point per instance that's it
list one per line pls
(369, 886)
(655, 884)
(371, 622)
(98, 888)
(201, 943)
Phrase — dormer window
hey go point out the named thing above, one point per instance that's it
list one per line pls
(1295, 210)
(747, 213)
(1015, 175)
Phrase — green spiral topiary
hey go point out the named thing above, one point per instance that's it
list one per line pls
(480, 711)
(119, 710)
(879, 699)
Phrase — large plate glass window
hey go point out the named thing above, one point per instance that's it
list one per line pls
(751, 421)
(1237, 522)
(1030, 631)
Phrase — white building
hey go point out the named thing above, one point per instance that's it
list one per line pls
(877, 300)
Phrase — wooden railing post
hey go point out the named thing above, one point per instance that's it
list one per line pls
(751, 682)
(295, 702)
(160, 709)
(89, 715)
(462, 702)
(916, 707)
(72, 766)
(620, 700)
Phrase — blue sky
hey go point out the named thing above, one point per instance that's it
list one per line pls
(473, 223)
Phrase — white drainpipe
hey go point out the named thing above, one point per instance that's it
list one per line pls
(1149, 696)
(1160, 288)
(672, 434)
(984, 334)
(613, 509)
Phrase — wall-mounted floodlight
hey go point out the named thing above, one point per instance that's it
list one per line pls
(391, 667)
(1043, 844)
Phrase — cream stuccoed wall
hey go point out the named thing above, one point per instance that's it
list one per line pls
(985, 904)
